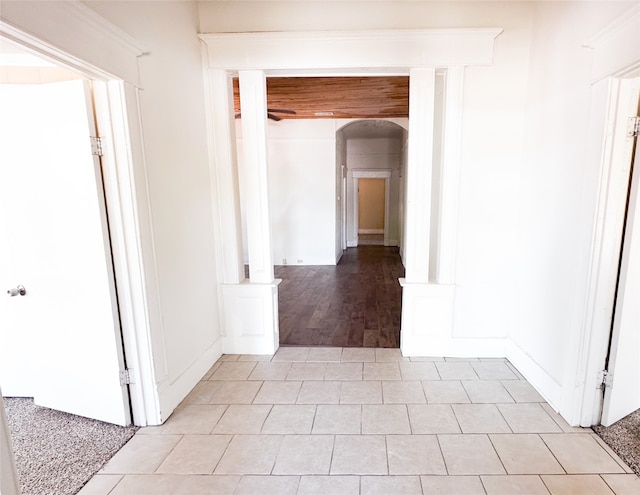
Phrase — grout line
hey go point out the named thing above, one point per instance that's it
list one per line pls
(499, 458)
(505, 419)
(552, 453)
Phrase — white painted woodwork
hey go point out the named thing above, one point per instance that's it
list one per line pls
(55, 221)
(341, 196)
(450, 176)
(224, 169)
(116, 105)
(623, 396)
(250, 307)
(418, 175)
(615, 164)
(254, 174)
(75, 35)
(251, 318)
(616, 47)
(353, 52)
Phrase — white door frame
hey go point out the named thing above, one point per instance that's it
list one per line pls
(605, 253)
(124, 174)
(371, 174)
(616, 55)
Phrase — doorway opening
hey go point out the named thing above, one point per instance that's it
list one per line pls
(57, 241)
(371, 212)
(357, 302)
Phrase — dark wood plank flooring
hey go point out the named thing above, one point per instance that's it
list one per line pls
(354, 304)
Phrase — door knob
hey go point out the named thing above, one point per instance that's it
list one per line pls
(17, 291)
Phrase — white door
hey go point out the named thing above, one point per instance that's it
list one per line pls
(623, 396)
(61, 342)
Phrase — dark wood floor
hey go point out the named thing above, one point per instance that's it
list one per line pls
(354, 304)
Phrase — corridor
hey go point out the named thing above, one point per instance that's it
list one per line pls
(354, 304)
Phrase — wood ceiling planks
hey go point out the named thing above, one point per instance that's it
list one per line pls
(335, 97)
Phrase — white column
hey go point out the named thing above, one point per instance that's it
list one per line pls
(418, 175)
(251, 307)
(253, 101)
(427, 308)
(223, 149)
(450, 176)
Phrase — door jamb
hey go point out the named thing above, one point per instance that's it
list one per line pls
(603, 271)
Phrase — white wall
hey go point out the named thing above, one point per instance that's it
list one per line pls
(173, 118)
(302, 190)
(557, 189)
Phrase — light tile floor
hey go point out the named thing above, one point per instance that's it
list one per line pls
(363, 421)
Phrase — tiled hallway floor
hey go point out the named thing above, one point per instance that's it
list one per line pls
(363, 421)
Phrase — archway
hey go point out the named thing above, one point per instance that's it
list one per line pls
(371, 149)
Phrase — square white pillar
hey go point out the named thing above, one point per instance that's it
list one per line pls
(224, 170)
(250, 307)
(254, 175)
(427, 309)
(418, 174)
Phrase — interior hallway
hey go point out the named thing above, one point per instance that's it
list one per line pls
(313, 420)
(354, 304)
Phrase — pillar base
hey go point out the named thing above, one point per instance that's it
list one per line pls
(251, 318)
(427, 318)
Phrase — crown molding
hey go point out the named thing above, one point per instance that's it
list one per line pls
(337, 52)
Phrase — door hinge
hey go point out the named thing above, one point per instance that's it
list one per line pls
(96, 145)
(633, 126)
(126, 377)
(605, 379)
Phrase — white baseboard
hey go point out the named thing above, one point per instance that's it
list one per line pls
(175, 392)
(546, 386)
(370, 231)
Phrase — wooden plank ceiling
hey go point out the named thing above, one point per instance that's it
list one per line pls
(334, 97)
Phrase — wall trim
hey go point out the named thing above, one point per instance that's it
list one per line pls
(616, 48)
(108, 51)
(372, 52)
(176, 391)
(544, 384)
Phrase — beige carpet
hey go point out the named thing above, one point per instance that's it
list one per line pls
(57, 453)
(624, 438)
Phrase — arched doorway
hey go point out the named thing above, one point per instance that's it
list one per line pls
(371, 149)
